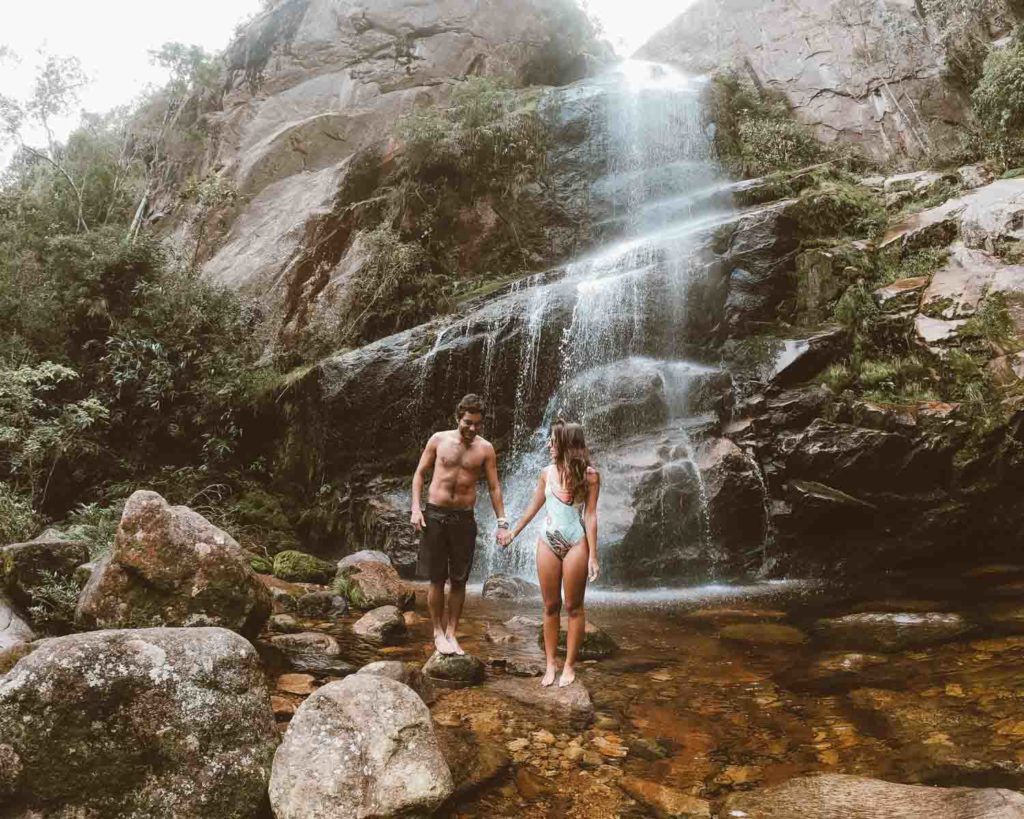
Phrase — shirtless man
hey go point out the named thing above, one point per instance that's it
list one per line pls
(447, 526)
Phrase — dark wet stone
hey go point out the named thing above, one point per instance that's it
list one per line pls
(474, 761)
(1007, 618)
(832, 796)
(891, 631)
(506, 587)
(321, 604)
(454, 670)
(284, 624)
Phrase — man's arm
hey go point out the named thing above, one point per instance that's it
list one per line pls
(494, 488)
(425, 465)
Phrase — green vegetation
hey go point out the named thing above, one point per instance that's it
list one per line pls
(999, 104)
(18, 521)
(302, 568)
(921, 262)
(836, 208)
(53, 603)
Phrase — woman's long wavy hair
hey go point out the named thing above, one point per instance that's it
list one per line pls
(571, 457)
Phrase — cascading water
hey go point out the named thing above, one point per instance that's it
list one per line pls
(630, 296)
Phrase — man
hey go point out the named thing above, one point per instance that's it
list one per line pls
(447, 526)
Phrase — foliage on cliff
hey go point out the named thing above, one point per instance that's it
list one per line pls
(999, 103)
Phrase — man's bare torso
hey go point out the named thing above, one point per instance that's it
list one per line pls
(457, 470)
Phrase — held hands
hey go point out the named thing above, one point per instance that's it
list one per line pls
(417, 519)
(593, 570)
(503, 536)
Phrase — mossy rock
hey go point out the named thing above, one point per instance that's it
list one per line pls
(838, 208)
(261, 564)
(298, 567)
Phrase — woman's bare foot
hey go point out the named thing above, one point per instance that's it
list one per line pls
(456, 648)
(549, 676)
(441, 643)
(568, 677)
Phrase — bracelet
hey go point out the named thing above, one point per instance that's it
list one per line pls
(502, 523)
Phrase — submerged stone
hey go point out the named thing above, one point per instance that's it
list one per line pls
(891, 631)
(772, 634)
(571, 704)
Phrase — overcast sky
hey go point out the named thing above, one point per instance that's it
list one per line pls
(113, 38)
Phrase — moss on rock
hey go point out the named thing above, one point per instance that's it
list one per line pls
(300, 567)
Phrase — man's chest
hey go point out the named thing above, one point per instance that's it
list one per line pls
(455, 457)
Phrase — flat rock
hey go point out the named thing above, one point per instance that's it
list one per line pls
(169, 566)
(130, 723)
(454, 670)
(405, 673)
(898, 605)
(361, 747)
(384, 625)
(902, 293)
(571, 704)
(771, 634)
(891, 631)
(507, 587)
(300, 684)
(837, 796)
(663, 801)
(364, 556)
(957, 288)
(936, 331)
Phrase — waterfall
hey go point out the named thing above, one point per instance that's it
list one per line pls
(629, 296)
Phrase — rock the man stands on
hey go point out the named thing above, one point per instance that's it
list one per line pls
(447, 526)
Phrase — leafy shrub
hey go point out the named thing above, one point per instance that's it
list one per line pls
(54, 602)
(94, 524)
(920, 262)
(754, 133)
(838, 208)
(999, 102)
(18, 521)
(992, 322)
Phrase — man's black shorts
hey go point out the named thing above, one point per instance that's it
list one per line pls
(447, 544)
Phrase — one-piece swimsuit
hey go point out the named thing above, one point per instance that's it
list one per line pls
(563, 526)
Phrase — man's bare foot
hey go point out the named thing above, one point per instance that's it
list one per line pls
(568, 677)
(441, 643)
(549, 677)
(454, 644)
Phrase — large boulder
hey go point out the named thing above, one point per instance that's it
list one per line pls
(169, 566)
(508, 587)
(454, 670)
(27, 567)
(405, 673)
(169, 723)
(362, 747)
(315, 85)
(831, 796)
(14, 631)
(299, 567)
(371, 585)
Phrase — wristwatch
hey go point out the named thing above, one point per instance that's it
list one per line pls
(503, 523)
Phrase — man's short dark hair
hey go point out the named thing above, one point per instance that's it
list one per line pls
(470, 403)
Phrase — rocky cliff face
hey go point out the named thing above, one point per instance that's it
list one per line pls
(314, 90)
(887, 77)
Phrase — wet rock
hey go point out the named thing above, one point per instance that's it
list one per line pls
(454, 670)
(898, 606)
(363, 746)
(974, 176)
(1007, 618)
(817, 506)
(732, 615)
(891, 631)
(284, 623)
(506, 587)
(387, 527)
(364, 556)
(769, 634)
(500, 635)
(384, 625)
(372, 585)
(323, 604)
(732, 481)
(571, 704)
(24, 567)
(664, 802)
(958, 287)
(171, 566)
(806, 357)
(128, 723)
(524, 667)
(310, 652)
(405, 673)
(299, 567)
(935, 742)
(834, 795)
(474, 760)
(843, 670)
(300, 684)
(597, 643)
(901, 294)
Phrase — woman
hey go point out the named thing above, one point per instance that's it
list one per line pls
(567, 548)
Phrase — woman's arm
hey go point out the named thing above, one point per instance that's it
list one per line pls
(590, 521)
(536, 502)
